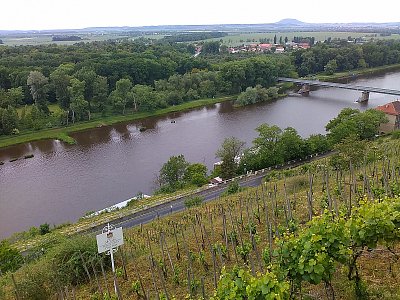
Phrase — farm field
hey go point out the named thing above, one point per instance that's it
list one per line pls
(44, 39)
(236, 39)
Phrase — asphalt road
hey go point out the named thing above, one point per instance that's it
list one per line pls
(152, 213)
(159, 211)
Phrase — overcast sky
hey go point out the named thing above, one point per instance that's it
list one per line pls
(63, 14)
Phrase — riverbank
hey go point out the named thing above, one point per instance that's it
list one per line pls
(359, 72)
(63, 134)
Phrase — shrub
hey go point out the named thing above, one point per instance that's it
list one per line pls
(193, 201)
(10, 258)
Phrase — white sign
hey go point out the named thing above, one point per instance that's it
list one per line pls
(109, 240)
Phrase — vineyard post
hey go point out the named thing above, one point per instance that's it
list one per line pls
(104, 278)
(95, 276)
(15, 287)
(310, 195)
(151, 260)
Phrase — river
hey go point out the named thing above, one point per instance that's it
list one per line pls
(111, 164)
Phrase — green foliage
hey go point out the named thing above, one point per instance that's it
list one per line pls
(349, 150)
(8, 120)
(67, 256)
(373, 223)
(350, 122)
(244, 251)
(10, 258)
(38, 85)
(274, 146)
(44, 228)
(172, 172)
(196, 174)
(240, 284)
(262, 70)
(229, 152)
(78, 104)
(193, 201)
(341, 56)
(311, 255)
(396, 134)
(331, 67)
(232, 188)
(121, 95)
(210, 47)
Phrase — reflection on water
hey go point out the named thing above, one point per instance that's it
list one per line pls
(113, 163)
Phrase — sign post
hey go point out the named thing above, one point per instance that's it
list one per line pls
(109, 241)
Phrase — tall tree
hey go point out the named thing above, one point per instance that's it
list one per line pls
(353, 122)
(121, 95)
(173, 171)
(89, 76)
(8, 120)
(37, 83)
(12, 97)
(100, 92)
(229, 153)
(79, 105)
(60, 79)
(196, 174)
(144, 98)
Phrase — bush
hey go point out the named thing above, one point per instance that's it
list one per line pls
(68, 256)
(396, 134)
(44, 228)
(193, 201)
(10, 258)
(232, 188)
(240, 284)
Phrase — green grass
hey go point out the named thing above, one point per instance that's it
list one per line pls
(44, 39)
(358, 72)
(54, 108)
(63, 133)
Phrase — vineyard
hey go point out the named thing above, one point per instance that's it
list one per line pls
(323, 230)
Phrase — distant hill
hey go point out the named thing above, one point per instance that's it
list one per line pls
(292, 22)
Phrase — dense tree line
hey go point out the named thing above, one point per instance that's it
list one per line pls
(195, 36)
(125, 79)
(346, 57)
(58, 38)
(103, 78)
(274, 146)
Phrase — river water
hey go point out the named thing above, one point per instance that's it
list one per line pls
(111, 164)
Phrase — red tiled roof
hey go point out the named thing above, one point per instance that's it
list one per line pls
(392, 108)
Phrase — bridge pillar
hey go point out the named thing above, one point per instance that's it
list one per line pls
(364, 97)
(305, 89)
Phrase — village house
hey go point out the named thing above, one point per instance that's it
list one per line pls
(392, 112)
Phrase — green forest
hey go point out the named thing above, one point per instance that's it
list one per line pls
(88, 81)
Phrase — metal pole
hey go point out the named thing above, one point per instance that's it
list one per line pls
(112, 262)
(113, 270)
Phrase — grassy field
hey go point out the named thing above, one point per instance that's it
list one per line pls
(44, 39)
(184, 254)
(236, 39)
(358, 72)
(63, 133)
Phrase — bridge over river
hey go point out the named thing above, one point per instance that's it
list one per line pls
(364, 89)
